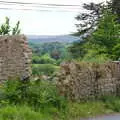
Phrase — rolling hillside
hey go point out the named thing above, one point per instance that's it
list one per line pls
(45, 39)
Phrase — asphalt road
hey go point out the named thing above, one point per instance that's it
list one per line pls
(110, 117)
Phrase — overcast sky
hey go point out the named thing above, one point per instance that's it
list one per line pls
(56, 21)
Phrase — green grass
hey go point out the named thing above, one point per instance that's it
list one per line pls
(106, 105)
(87, 109)
(21, 113)
(44, 69)
(73, 111)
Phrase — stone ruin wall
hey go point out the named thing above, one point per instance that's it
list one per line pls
(83, 81)
(15, 57)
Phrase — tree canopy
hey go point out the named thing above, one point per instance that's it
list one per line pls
(100, 29)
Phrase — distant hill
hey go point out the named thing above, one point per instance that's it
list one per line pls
(45, 38)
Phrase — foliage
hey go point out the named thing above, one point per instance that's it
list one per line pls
(103, 42)
(28, 98)
(74, 111)
(116, 52)
(16, 29)
(106, 105)
(112, 102)
(77, 49)
(6, 29)
(116, 8)
(45, 94)
(86, 24)
(93, 56)
(87, 109)
(14, 91)
(19, 113)
(55, 51)
(88, 21)
(45, 59)
(107, 35)
(37, 93)
(41, 100)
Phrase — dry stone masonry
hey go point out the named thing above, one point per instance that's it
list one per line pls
(83, 81)
(15, 57)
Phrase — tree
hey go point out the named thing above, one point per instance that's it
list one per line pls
(77, 49)
(116, 7)
(55, 54)
(106, 36)
(101, 32)
(88, 21)
(6, 29)
(56, 50)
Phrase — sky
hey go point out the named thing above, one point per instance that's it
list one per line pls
(44, 21)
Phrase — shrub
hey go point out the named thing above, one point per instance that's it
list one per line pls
(112, 102)
(38, 94)
(45, 94)
(14, 90)
(45, 59)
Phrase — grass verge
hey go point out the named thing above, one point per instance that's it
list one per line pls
(40, 100)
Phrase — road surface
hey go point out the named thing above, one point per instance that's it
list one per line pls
(110, 117)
